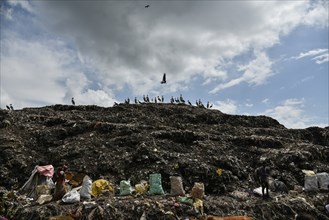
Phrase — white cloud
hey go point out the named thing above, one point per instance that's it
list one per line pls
(290, 113)
(321, 58)
(255, 72)
(131, 45)
(317, 14)
(23, 4)
(265, 101)
(311, 53)
(320, 55)
(42, 73)
(228, 106)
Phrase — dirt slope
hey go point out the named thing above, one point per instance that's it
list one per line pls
(133, 141)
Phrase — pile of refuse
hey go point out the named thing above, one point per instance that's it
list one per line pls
(161, 161)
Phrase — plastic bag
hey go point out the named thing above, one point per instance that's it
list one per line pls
(85, 191)
(176, 186)
(99, 186)
(125, 188)
(198, 191)
(323, 179)
(142, 187)
(155, 184)
(71, 196)
(311, 183)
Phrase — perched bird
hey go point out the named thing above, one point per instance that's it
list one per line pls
(146, 6)
(210, 106)
(189, 102)
(164, 79)
(207, 104)
(8, 107)
(11, 107)
(159, 99)
(72, 100)
(181, 99)
(136, 100)
(162, 99)
(172, 100)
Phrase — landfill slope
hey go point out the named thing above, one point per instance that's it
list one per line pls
(132, 141)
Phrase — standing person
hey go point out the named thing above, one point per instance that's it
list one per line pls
(262, 175)
(60, 188)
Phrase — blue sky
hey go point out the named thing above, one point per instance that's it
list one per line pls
(245, 57)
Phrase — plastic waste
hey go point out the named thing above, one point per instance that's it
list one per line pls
(198, 206)
(155, 184)
(72, 196)
(85, 191)
(198, 191)
(311, 183)
(219, 171)
(141, 187)
(44, 198)
(176, 186)
(323, 179)
(186, 200)
(99, 186)
(125, 188)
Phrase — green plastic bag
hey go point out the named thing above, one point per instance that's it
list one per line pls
(125, 188)
(155, 184)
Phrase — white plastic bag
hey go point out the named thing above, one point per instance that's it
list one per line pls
(311, 183)
(85, 191)
(323, 179)
(72, 196)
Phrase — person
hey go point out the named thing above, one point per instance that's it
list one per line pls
(262, 175)
(60, 188)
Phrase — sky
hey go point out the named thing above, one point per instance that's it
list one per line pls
(247, 57)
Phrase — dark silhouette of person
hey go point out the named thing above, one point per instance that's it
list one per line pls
(262, 175)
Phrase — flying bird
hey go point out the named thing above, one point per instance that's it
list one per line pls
(72, 100)
(164, 79)
(146, 6)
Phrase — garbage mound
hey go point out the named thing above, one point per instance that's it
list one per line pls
(157, 161)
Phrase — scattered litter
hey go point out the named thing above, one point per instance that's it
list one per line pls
(85, 191)
(155, 184)
(176, 186)
(99, 186)
(125, 188)
(72, 196)
(198, 191)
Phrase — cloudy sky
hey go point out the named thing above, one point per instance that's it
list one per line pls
(245, 57)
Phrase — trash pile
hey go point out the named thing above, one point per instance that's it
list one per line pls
(164, 161)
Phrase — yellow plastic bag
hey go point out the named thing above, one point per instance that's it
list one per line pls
(99, 186)
(219, 171)
(142, 187)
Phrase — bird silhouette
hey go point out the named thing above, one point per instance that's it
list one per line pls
(146, 6)
(11, 107)
(164, 79)
(72, 100)
(8, 107)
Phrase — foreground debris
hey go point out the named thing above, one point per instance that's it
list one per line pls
(133, 141)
